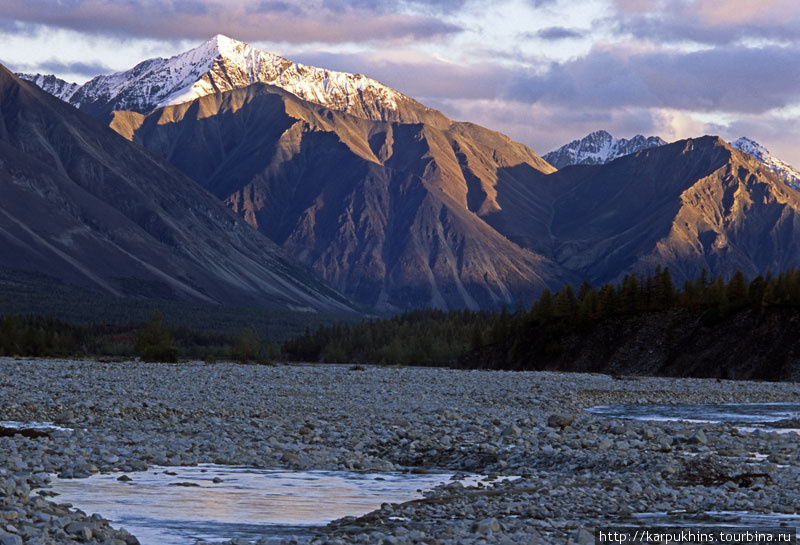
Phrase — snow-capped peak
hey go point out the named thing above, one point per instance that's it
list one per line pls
(53, 85)
(599, 148)
(787, 172)
(221, 64)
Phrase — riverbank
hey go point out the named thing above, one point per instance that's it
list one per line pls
(577, 469)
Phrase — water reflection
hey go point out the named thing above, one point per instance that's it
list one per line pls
(714, 413)
(13, 424)
(716, 519)
(178, 505)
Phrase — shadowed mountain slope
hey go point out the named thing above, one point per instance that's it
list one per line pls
(689, 205)
(397, 215)
(86, 206)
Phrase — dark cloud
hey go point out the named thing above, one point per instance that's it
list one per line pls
(422, 78)
(388, 6)
(88, 69)
(779, 135)
(734, 79)
(709, 21)
(671, 30)
(327, 21)
(545, 128)
(555, 33)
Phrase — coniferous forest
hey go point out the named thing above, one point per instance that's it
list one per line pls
(589, 329)
(546, 335)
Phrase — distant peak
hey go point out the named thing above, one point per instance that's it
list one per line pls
(599, 147)
(220, 40)
(222, 63)
(602, 133)
(789, 174)
(743, 143)
(220, 44)
(226, 42)
(748, 145)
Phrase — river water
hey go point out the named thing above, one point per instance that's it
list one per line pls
(179, 505)
(758, 415)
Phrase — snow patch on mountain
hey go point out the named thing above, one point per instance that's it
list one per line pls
(221, 64)
(55, 86)
(789, 174)
(599, 148)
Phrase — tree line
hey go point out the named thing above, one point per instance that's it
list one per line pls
(433, 337)
(420, 337)
(154, 340)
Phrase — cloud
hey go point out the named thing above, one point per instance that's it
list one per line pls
(779, 135)
(420, 76)
(732, 79)
(387, 6)
(327, 21)
(53, 66)
(555, 33)
(545, 128)
(709, 21)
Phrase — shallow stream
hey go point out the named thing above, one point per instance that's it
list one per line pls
(179, 505)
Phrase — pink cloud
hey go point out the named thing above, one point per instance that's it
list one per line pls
(312, 21)
(709, 21)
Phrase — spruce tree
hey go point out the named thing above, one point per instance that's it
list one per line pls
(247, 346)
(155, 342)
(737, 288)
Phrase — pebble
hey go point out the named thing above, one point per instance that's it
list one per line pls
(571, 470)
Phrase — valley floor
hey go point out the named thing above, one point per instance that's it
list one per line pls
(578, 470)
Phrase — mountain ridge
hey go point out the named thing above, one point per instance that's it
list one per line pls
(599, 147)
(84, 203)
(399, 212)
(691, 205)
(221, 64)
(789, 174)
(397, 224)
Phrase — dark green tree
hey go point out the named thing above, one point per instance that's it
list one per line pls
(664, 290)
(565, 304)
(631, 293)
(476, 338)
(717, 292)
(247, 346)
(155, 341)
(756, 290)
(737, 288)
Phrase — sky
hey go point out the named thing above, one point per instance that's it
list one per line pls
(545, 72)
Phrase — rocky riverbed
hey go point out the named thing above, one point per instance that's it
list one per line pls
(577, 470)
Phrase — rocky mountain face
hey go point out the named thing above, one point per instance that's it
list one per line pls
(396, 215)
(690, 205)
(53, 85)
(400, 207)
(86, 206)
(455, 215)
(221, 64)
(599, 148)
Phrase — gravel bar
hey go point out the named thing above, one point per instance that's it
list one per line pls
(577, 470)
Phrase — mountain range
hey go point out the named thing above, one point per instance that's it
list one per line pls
(600, 147)
(84, 205)
(397, 206)
(221, 64)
